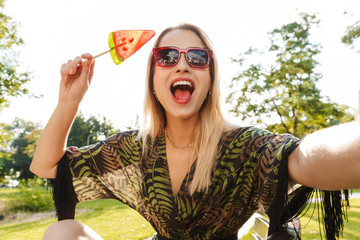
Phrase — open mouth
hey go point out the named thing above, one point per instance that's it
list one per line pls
(182, 90)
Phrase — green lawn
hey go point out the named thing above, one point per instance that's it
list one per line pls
(310, 226)
(351, 229)
(113, 220)
(110, 218)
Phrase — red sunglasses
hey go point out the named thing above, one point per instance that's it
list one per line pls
(170, 56)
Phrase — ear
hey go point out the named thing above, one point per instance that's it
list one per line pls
(154, 94)
(208, 95)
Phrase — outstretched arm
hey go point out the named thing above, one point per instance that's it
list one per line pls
(328, 159)
(76, 76)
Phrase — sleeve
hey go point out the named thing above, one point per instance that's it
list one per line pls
(92, 172)
(276, 195)
(271, 151)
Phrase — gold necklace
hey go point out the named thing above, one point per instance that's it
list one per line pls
(178, 147)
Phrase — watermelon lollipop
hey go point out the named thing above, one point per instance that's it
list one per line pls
(124, 43)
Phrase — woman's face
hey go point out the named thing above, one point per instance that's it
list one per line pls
(181, 89)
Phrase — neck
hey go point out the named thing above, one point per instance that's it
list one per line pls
(181, 132)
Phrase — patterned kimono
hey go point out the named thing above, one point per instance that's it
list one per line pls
(250, 174)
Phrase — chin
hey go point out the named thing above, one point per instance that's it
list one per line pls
(186, 115)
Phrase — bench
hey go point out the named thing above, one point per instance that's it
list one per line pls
(261, 227)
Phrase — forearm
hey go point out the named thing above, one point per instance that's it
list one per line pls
(328, 159)
(52, 142)
(76, 76)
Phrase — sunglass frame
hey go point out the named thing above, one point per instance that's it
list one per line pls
(180, 51)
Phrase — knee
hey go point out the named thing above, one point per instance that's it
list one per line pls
(67, 229)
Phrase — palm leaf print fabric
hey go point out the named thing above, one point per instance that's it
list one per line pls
(245, 179)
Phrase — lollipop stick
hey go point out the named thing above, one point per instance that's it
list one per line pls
(100, 54)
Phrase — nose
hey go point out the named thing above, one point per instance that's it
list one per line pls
(182, 65)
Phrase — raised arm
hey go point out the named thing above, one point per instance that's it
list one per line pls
(76, 76)
(328, 159)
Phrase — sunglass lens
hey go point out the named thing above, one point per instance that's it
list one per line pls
(167, 57)
(197, 58)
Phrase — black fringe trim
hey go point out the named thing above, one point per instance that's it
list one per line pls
(64, 196)
(331, 205)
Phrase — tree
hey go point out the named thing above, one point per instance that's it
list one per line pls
(12, 82)
(89, 130)
(285, 90)
(16, 159)
(351, 34)
(4, 162)
(17, 153)
(5, 137)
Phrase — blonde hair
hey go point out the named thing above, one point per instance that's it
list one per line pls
(211, 124)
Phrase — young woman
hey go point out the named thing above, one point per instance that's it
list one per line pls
(190, 173)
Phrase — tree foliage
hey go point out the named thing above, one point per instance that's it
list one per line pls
(351, 34)
(283, 95)
(12, 81)
(16, 158)
(16, 154)
(4, 161)
(89, 130)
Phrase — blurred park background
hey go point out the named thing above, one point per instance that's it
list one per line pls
(276, 81)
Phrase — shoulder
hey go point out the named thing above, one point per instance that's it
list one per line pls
(130, 136)
(254, 138)
(129, 133)
(117, 141)
(248, 133)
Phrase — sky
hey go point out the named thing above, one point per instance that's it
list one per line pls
(56, 31)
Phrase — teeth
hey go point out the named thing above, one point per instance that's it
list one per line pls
(182, 83)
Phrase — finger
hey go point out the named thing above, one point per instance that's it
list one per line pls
(88, 60)
(86, 71)
(91, 73)
(74, 65)
(64, 71)
(87, 56)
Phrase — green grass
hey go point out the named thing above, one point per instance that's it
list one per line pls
(351, 229)
(25, 199)
(18, 230)
(109, 218)
(113, 220)
(310, 225)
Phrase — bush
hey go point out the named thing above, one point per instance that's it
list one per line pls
(31, 200)
(33, 182)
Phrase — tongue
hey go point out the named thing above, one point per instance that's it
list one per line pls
(181, 94)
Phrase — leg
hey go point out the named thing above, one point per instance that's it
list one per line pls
(70, 229)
